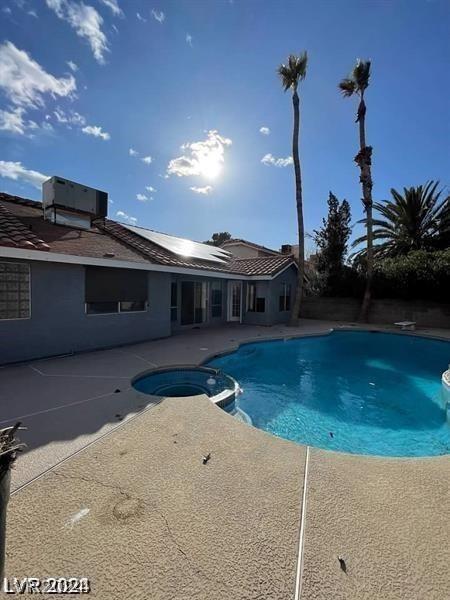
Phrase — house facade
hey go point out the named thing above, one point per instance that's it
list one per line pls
(69, 287)
(244, 249)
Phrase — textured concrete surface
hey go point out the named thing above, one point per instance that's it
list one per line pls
(139, 513)
(68, 402)
(390, 521)
(162, 525)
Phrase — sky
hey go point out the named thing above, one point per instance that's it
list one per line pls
(175, 109)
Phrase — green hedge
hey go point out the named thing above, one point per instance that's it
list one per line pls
(419, 275)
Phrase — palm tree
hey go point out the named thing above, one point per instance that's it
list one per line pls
(357, 83)
(414, 220)
(291, 74)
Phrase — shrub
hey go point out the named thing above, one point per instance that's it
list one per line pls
(417, 275)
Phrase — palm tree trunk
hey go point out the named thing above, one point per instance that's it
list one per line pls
(364, 161)
(299, 201)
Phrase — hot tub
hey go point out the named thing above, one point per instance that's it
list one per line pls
(183, 381)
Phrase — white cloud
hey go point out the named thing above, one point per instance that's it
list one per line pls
(69, 118)
(86, 22)
(96, 131)
(6, 10)
(264, 130)
(72, 65)
(127, 218)
(142, 197)
(12, 120)
(17, 172)
(147, 160)
(270, 160)
(207, 189)
(114, 6)
(140, 18)
(133, 152)
(150, 189)
(189, 39)
(159, 16)
(205, 157)
(25, 82)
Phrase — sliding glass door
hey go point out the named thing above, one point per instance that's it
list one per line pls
(193, 302)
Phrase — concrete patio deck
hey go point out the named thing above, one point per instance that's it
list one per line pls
(158, 524)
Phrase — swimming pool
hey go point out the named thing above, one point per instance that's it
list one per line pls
(184, 381)
(351, 391)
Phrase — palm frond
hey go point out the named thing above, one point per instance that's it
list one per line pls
(347, 87)
(361, 74)
(412, 220)
(294, 71)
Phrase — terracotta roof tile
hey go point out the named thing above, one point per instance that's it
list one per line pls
(267, 265)
(22, 226)
(27, 215)
(16, 234)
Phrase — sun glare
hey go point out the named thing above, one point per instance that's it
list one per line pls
(210, 165)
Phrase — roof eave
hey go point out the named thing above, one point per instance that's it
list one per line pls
(49, 256)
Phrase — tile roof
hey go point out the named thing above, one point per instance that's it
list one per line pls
(20, 218)
(267, 265)
(22, 226)
(15, 234)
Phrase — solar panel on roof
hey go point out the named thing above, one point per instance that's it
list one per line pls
(181, 246)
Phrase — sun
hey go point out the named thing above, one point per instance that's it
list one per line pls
(210, 165)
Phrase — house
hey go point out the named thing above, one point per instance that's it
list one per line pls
(73, 280)
(245, 249)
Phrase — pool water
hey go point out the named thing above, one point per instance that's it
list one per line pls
(182, 382)
(350, 391)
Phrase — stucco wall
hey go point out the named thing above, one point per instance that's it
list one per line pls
(241, 250)
(426, 314)
(59, 324)
(270, 290)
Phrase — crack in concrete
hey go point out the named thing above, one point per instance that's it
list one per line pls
(128, 496)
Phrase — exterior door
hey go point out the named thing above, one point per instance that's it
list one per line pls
(235, 301)
(193, 302)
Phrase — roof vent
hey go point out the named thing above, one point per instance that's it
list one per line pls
(69, 203)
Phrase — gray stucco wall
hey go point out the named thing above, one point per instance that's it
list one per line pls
(59, 324)
(270, 290)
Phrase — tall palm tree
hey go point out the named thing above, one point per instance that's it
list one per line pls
(414, 220)
(357, 83)
(291, 74)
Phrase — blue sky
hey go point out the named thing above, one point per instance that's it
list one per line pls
(82, 83)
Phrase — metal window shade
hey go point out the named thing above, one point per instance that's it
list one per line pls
(115, 285)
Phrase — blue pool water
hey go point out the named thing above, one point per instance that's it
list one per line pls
(358, 392)
(179, 382)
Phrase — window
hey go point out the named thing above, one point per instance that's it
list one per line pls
(101, 308)
(285, 297)
(260, 305)
(115, 290)
(251, 297)
(254, 304)
(133, 306)
(174, 301)
(14, 291)
(216, 299)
